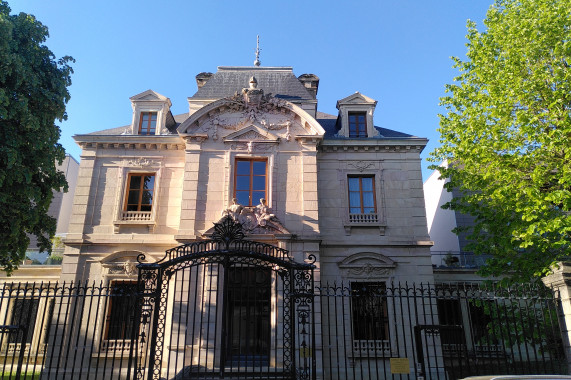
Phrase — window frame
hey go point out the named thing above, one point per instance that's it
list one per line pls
(109, 310)
(147, 128)
(253, 202)
(37, 331)
(360, 130)
(370, 346)
(361, 191)
(126, 203)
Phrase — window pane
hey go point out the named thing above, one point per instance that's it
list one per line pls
(243, 167)
(368, 210)
(259, 183)
(242, 183)
(147, 198)
(145, 208)
(145, 118)
(243, 198)
(133, 197)
(135, 182)
(355, 210)
(259, 167)
(362, 119)
(354, 199)
(353, 184)
(367, 183)
(149, 182)
(256, 195)
(352, 118)
(368, 200)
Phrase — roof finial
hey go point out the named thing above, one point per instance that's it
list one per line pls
(257, 61)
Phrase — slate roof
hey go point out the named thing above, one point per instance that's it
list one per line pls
(119, 130)
(329, 123)
(279, 81)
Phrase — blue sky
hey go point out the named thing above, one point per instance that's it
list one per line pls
(397, 52)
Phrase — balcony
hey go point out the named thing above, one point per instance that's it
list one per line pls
(457, 260)
(136, 216)
(363, 220)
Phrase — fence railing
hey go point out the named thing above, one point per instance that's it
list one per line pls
(366, 328)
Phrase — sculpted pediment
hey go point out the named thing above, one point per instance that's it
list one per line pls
(251, 133)
(224, 117)
(367, 264)
(356, 98)
(149, 95)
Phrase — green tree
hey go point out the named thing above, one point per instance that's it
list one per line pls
(506, 136)
(33, 94)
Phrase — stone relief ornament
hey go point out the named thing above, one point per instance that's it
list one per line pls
(361, 165)
(254, 220)
(129, 268)
(141, 162)
(368, 270)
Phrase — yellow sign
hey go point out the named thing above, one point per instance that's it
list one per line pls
(400, 365)
(305, 352)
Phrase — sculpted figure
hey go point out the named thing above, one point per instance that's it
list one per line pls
(264, 215)
(234, 210)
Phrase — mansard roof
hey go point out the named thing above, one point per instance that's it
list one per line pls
(279, 81)
(331, 126)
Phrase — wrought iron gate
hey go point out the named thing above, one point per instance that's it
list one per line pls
(225, 308)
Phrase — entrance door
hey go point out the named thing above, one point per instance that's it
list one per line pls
(248, 328)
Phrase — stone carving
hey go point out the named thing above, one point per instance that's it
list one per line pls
(368, 270)
(361, 165)
(141, 162)
(129, 268)
(254, 220)
(234, 210)
(252, 135)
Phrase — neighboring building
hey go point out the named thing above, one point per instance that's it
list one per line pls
(449, 250)
(60, 208)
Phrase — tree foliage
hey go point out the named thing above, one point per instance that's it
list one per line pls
(506, 136)
(33, 94)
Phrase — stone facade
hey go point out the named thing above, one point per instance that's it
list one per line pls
(309, 157)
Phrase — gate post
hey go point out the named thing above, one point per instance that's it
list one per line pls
(560, 282)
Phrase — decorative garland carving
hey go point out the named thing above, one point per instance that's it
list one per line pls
(361, 165)
(368, 270)
(141, 162)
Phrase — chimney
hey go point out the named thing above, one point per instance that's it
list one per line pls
(202, 78)
(311, 83)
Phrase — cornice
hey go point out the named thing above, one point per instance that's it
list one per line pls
(130, 142)
(407, 145)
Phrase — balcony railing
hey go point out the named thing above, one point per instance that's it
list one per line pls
(457, 259)
(364, 218)
(115, 345)
(136, 216)
(372, 348)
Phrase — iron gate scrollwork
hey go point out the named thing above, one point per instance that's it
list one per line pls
(225, 307)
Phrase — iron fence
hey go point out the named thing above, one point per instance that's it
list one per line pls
(364, 330)
(373, 330)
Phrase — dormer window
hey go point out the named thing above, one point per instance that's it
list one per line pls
(151, 114)
(148, 123)
(357, 124)
(356, 117)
